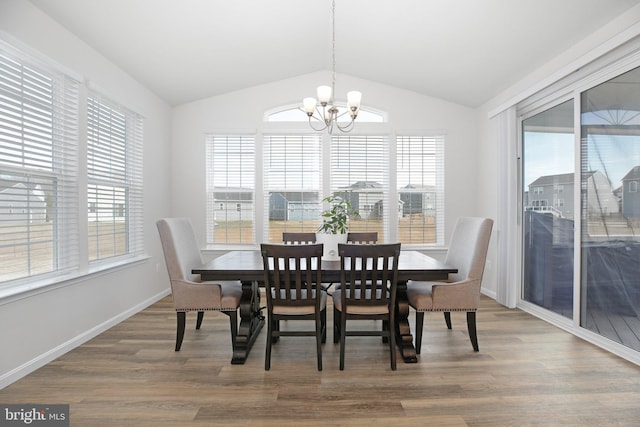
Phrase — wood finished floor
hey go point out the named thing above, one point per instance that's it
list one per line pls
(527, 373)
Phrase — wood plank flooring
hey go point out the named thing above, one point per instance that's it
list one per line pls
(527, 373)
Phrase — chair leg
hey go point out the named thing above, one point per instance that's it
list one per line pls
(267, 352)
(199, 321)
(392, 343)
(319, 334)
(233, 323)
(343, 330)
(447, 319)
(181, 320)
(336, 326)
(471, 326)
(323, 319)
(419, 326)
(385, 327)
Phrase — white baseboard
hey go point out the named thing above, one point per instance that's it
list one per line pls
(49, 356)
(489, 293)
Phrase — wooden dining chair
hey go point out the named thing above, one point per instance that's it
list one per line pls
(298, 238)
(362, 237)
(376, 266)
(292, 277)
(461, 292)
(181, 254)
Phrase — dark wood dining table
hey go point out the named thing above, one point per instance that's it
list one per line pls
(247, 267)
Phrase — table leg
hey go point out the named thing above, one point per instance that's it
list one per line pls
(404, 338)
(251, 322)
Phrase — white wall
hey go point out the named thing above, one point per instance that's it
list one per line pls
(37, 327)
(243, 111)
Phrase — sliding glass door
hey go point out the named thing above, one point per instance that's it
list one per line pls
(602, 196)
(610, 209)
(548, 208)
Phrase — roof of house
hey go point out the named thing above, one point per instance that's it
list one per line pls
(633, 174)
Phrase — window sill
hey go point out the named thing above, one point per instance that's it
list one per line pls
(29, 288)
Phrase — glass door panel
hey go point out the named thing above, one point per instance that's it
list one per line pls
(548, 208)
(610, 186)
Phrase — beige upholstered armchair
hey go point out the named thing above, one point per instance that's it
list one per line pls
(181, 254)
(467, 252)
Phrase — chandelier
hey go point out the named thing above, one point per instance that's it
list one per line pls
(327, 114)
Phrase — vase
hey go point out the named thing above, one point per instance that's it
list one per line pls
(330, 242)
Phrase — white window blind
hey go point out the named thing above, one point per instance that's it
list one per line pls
(359, 173)
(38, 168)
(114, 174)
(230, 189)
(420, 166)
(292, 183)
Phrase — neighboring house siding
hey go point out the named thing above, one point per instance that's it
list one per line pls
(554, 194)
(631, 193)
(20, 204)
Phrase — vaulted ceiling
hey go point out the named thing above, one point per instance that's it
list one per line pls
(464, 51)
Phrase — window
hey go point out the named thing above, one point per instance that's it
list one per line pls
(538, 190)
(300, 168)
(38, 168)
(292, 184)
(359, 174)
(633, 186)
(231, 187)
(114, 176)
(420, 172)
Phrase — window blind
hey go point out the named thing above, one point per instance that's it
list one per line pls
(114, 176)
(292, 183)
(230, 165)
(38, 168)
(420, 172)
(359, 173)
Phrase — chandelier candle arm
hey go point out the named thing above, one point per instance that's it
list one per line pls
(330, 113)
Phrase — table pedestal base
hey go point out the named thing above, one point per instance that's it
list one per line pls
(404, 339)
(251, 322)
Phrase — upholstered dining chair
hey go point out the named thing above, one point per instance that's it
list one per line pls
(376, 266)
(298, 238)
(362, 237)
(181, 254)
(461, 292)
(292, 277)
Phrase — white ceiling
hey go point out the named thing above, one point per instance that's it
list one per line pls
(464, 51)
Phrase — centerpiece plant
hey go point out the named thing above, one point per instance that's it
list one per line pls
(335, 224)
(335, 220)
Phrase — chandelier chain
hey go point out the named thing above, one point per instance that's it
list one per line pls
(333, 46)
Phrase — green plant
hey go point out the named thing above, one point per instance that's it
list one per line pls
(335, 220)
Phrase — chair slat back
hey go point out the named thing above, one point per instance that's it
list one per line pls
(292, 274)
(363, 238)
(368, 274)
(294, 238)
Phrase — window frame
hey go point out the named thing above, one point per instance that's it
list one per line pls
(114, 160)
(71, 233)
(297, 129)
(37, 90)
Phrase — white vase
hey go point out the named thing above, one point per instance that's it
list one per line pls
(330, 242)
